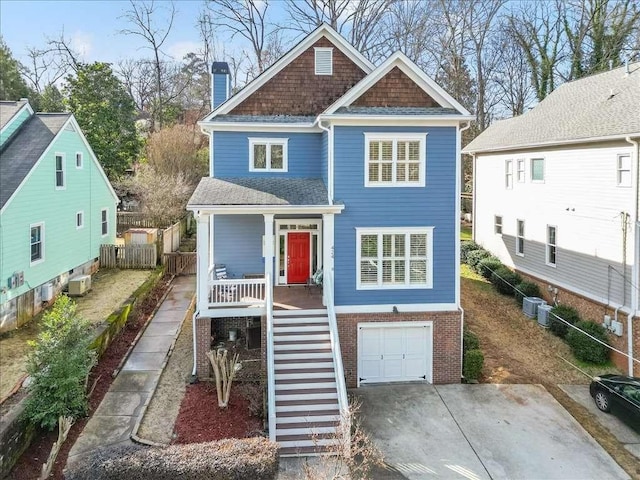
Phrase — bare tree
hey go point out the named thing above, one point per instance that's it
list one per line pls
(137, 77)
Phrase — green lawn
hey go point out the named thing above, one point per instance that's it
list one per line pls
(465, 233)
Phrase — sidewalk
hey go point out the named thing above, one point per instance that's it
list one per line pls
(123, 406)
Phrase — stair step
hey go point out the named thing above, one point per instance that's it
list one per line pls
(296, 329)
(304, 373)
(303, 380)
(310, 437)
(302, 337)
(303, 332)
(314, 432)
(308, 413)
(286, 418)
(315, 450)
(306, 403)
(304, 344)
(302, 313)
(291, 363)
(293, 351)
(305, 391)
(285, 396)
(306, 423)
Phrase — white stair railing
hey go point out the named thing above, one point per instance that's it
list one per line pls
(343, 401)
(271, 367)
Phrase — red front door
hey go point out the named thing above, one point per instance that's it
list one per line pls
(298, 261)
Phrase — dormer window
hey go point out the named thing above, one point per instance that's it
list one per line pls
(324, 60)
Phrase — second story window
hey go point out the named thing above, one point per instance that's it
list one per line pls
(268, 154)
(497, 224)
(537, 169)
(508, 174)
(520, 171)
(520, 238)
(37, 242)
(395, 160)
(59, 170)
(79, 160)
(624, 171)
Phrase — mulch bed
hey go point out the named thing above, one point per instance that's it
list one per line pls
(30, 463)
(201, 420)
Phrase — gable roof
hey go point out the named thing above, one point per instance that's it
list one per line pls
(19, 156)
(323, 30)
(598, 107)
(400, 61)
(9, 109)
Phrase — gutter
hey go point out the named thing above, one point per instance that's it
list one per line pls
(635, 160)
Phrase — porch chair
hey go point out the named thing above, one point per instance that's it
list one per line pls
(315, 280)
(225, 292)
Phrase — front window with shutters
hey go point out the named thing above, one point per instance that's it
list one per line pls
(268, 155)
(395, 160)
(394, 258)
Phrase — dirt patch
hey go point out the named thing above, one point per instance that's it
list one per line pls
(29, 465)
(201, 420)
(517, 350)
(110, 287)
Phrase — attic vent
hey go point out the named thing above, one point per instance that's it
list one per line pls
(69, 128)
(324, 60)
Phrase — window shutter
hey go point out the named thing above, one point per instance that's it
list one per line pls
(324, 61)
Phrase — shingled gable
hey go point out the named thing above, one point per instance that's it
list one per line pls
(290, 86)
(398, 82)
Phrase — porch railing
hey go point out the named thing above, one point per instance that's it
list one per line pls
(271, 368)
(244, 292)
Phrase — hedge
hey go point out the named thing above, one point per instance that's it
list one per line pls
(469, 341)
(230, 459)
(504, 280)
(487, 266)
(473, 258)
(466, 248)
(585, 348)
(558, 327)
(472, 363)
(526, 289)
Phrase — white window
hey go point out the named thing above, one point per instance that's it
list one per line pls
(268, 154)
(624, 170)
(105, 222)
(37, 242)
(324, 60)
(537, 169)
(59, 170)
(520, 238)
(394, 258)
(508, 174)
(552, 248)
(497, 220)
(79, 220)
(395, 160)
(520, 171)
(79, 160)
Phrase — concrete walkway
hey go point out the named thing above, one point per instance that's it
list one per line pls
(122, 407)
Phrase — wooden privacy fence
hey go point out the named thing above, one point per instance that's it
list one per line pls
(126, 220)
(128, 256)
(180, 263)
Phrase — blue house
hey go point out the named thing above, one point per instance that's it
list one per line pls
(329, 223)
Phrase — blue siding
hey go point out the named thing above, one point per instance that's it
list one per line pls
(324, 159)
(219, 89)
(433, 205)
(238, 243)
(231, 154)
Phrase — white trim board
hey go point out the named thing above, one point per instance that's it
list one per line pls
(261, 209)
(402, 308)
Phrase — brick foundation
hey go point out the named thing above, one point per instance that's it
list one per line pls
(203, 344)
(446, 341)
(595, 311)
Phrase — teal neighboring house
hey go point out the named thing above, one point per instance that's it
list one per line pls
(56, 208)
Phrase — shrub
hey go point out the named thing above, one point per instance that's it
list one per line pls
(466, 248)
(469, 341)
(473, 258)
(585, 348)
(254, 458)
(504, 280)
(487, 266)
(526, 289)
(472, 363)
(59, 364)
(558, 327)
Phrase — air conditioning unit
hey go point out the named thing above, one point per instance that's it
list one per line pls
(80, 285)
(46, 292)
(530, 306)
(543, 314)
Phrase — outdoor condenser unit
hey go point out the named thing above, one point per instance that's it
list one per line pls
(530, 306)
(46, 292)
(543, 314)
(80, 285)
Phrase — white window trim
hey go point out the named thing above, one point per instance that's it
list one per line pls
(548, 245)
(64, 170)
(41, 259)
(394, 231)
(101, 222)
(521, 173)
(315, 58)
(618, 170)
(495, 224)
(395, 138)
(268, 142)
(81, 213)
(544, 168)
(80, 155)
(518, 236)
(508, 174)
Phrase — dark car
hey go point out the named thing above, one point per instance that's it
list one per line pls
(618, 394)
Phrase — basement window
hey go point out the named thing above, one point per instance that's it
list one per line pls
(324, 60)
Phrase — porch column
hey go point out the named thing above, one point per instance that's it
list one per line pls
(268, 245)
(202, 249)
(327, 251)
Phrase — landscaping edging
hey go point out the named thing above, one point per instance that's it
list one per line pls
(15, 433)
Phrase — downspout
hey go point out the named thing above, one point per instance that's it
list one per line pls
(459, 185)
(636, 247)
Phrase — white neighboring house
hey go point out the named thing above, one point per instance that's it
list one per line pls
(556, 196)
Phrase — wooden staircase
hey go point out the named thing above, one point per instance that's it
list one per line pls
(306, 395)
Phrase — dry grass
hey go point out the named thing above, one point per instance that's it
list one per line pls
(517, 350)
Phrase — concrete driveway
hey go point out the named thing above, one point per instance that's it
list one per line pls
(479, 432)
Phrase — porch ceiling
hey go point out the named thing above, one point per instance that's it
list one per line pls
(259, 191)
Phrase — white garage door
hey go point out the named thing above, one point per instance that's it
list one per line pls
(397, 352)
